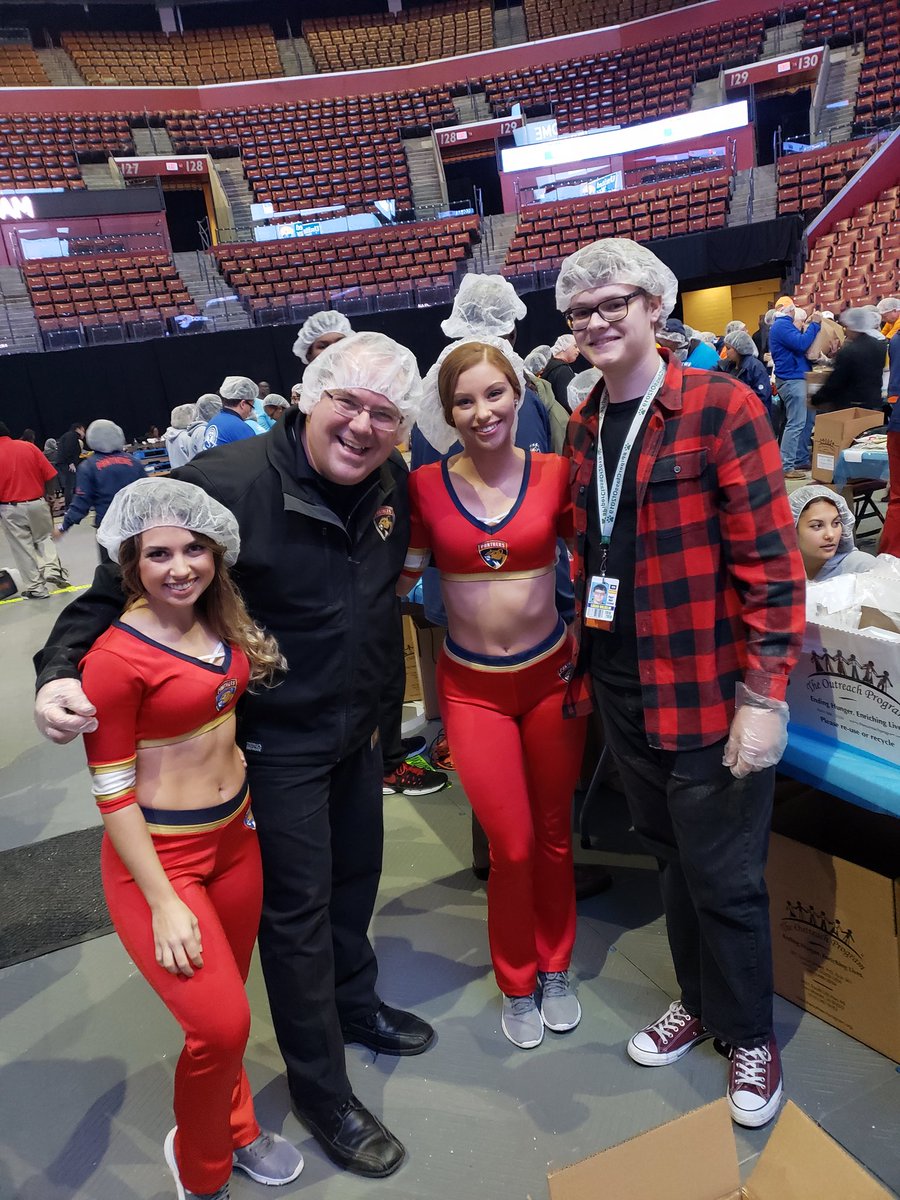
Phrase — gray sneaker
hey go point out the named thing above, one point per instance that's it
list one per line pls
(222, 1193)
(521, 1021)
(560, 1009)
(269, 1159)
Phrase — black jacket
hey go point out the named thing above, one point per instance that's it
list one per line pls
(326, 591)
(68, 449)
(856, 377)
(559, 375)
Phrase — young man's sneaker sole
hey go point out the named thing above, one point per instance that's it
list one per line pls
(668, 1039)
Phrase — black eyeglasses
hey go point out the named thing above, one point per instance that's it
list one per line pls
(612, 309)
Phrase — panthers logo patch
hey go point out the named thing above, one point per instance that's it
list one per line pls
(225, 693)
(494, 554)
(385, 520)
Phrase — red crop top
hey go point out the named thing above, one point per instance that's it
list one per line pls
(462, 547)
(148, 695)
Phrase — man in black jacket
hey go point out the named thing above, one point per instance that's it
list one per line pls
(68, 456)
(321, 501)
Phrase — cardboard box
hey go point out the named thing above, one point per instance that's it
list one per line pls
(834, 896)
(695, 1158)
(413, 690)
(846, 688)
(834, 432)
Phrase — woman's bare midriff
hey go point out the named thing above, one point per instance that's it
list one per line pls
(198, 773)
(501, 616)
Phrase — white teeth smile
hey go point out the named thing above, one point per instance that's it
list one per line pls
(488, 429)
(180, 587)
(359, 450)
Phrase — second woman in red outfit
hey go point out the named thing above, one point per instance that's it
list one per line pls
(490, 518)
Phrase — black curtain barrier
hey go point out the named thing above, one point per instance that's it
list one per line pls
(138, 385)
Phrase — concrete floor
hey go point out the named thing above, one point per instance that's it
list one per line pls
(87, 1051)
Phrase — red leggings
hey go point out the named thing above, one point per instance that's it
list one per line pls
(217, 874)
(890, 535)
(518, 761)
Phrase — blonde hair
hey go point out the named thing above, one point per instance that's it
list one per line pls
(221, 606)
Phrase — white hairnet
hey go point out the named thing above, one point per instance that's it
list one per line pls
(208, 406)
(734, 327)
(273, 400)
(318, 325)
(800, 314)
(802, 497)
(366, 360)
(770, 316)
(742, 342)
(888, 304)
(538, 359)
(615, 260)
(863, 320)
(182, 415)
(432, 422)
(826, 312)
(485, 305)
(581, 385)
(563, 343)
(707, 336)
(151, 503)
(238, 387)
(105, 437)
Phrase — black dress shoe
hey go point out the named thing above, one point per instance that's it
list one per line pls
(390, 1031)
(354, 1138)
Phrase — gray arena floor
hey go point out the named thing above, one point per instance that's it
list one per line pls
(87, 1051)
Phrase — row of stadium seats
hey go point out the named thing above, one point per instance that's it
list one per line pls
(546, 233)
(305, 270)
(108, 287)
(807, 181)
(21, 67)
(858, 260)
(196, 57)
(569, 16)
(351, 43)
(640, 84)
(41, 150)
(876, 25)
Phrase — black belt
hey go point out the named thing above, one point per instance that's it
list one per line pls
(15, 502)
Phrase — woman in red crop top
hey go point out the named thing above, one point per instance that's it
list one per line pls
(489, 519)
(180, 860)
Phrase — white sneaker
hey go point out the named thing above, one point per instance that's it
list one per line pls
(222, 1193)
(521, 1022)
(560, 1010)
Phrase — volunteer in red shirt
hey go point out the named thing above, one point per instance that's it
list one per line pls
(685, 537)
(25, 515)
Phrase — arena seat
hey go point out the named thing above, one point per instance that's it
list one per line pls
(546, 233)
(196, 57)
(21, 67)
(364, 264)
(807, 181)
(877, 27)
(86, 290)
(349, 43)
(544, 20)
(625, 87)
(43, 150)
(336, 151)
(858, 261)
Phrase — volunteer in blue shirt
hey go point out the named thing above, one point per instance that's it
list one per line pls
(231, 424)
(788, 346)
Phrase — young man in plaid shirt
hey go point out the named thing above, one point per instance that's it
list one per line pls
(686, 646)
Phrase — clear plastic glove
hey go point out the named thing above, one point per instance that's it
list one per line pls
(62, 711)
(758, 733)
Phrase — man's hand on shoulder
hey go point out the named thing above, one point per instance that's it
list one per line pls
(62, 711)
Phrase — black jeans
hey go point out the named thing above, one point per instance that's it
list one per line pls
(321, 835)
(390, 719)
(710, 835)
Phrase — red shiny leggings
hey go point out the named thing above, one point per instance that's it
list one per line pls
(890, 535)
(518, 761)
(218, 876)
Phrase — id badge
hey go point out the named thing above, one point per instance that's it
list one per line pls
(600, 609)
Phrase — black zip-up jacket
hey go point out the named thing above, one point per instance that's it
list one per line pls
(324, 589)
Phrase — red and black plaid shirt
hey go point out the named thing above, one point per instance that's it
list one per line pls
(719, 582)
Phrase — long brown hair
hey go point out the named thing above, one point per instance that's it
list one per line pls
(220, 606)
(460, 360)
